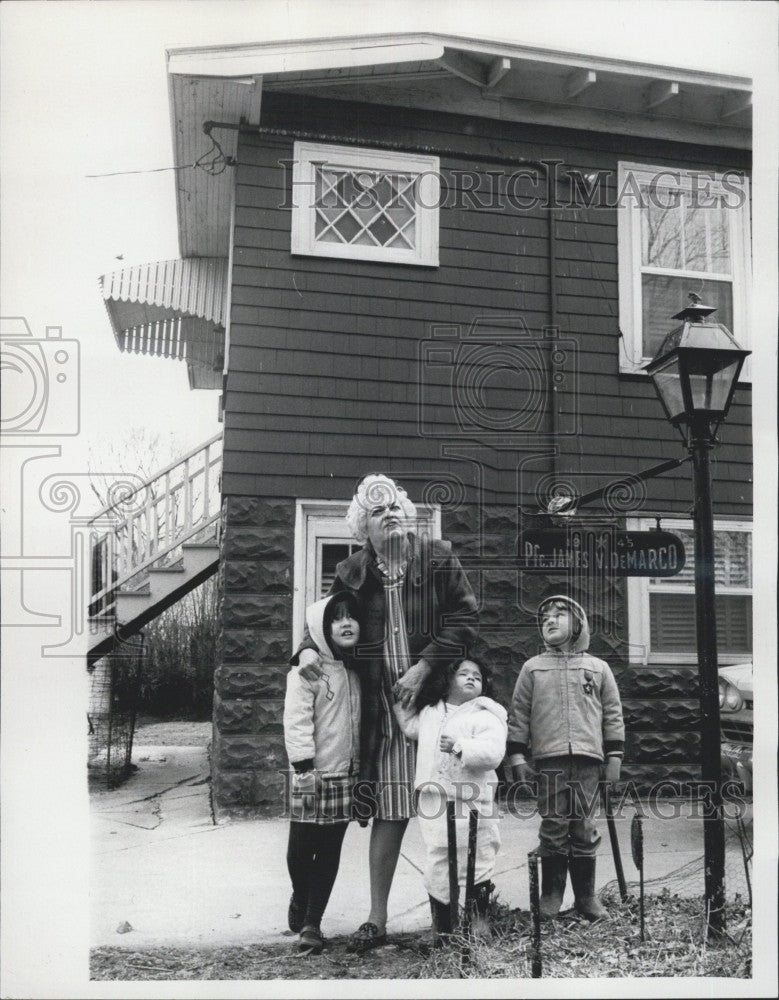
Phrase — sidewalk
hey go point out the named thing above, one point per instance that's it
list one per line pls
(159, 863)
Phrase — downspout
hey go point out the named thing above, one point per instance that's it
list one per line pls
(551, 193)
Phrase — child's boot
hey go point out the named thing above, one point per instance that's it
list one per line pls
(586, 902)
(554, 872)
(311, 941)
(481, 897)
(442, 920)
(480, 924)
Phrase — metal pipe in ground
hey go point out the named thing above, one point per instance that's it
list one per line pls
(612, 828)
(454, 887)
(536, 967)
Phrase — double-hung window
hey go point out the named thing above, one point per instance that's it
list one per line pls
(662, 610)
(680, 231)
(365, 204)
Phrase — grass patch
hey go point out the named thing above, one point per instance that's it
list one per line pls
(675, 945)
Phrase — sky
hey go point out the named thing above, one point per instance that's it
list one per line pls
(83, 95)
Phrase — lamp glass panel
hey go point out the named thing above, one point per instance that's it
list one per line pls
(711, 390)
(668, 383)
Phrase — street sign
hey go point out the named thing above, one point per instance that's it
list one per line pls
(604, 550)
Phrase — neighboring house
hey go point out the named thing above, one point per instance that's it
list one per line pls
(448, 260)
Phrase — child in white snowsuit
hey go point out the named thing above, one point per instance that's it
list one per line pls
(322, 737)
(461, 742)
(566, 711)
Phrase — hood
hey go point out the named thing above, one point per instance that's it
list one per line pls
(315, 619)
(487, 703)
(582, 642)
(315, 614)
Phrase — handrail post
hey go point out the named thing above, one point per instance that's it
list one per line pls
(187, 497)
(206, 482)
(168, 532)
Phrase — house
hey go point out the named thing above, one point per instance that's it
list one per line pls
(449, 259)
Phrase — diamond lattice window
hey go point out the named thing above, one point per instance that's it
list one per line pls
(365, 204)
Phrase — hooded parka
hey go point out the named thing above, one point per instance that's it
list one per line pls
(566, 702)
(322, 722)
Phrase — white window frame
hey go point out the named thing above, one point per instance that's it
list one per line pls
(318, 521)
(640, 588)
(630, 177)
(307, 154)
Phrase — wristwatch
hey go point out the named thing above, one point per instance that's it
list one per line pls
(457, 749)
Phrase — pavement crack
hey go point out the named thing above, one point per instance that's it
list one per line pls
(155, 795)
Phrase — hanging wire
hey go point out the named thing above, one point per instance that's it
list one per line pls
(213, 162)
(153, 170)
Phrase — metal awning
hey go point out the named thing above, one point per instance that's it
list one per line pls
(172, 309)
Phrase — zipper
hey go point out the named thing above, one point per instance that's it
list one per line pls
(351, 716)
(567, 703)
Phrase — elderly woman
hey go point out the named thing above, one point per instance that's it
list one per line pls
(419, 615)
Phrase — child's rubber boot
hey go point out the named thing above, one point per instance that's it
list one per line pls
(554, 873)
(481, 897)
(480, 924)
(586, 902)
(442, 921)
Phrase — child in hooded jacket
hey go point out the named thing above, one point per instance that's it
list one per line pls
(566, 712)
(461, 739)
(322, 737)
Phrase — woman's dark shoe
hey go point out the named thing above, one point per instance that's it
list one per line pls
(365, 938)
(311, 941)
(296, 914)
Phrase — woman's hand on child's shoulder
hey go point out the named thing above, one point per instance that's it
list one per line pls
(310, 665)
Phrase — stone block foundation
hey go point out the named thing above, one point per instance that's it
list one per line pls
(255, 582)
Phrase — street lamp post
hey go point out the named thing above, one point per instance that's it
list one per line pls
(695, 373)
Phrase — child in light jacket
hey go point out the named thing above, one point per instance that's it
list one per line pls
(566, 712)
(322, 737)
(461, 742)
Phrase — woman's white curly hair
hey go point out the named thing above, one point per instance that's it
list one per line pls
(373, 491)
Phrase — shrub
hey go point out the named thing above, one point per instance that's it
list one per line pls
(178, 673)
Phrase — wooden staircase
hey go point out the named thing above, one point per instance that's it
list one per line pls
(153, 544)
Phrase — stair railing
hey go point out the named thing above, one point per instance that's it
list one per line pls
(146, 525)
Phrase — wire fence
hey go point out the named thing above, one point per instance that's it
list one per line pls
(687, 881)
(113, 700)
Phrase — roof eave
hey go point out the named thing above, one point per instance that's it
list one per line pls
(225, 83)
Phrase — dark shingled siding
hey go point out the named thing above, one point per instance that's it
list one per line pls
(325, 374)
(325, 384)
